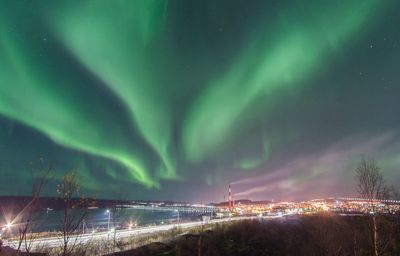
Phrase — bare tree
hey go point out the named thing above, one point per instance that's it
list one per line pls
(116, 214)
(371, 186)
(200, 240)
(41, 175)
(74, 211)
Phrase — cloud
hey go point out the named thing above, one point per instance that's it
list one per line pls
(324, 173)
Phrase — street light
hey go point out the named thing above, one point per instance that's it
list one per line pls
(132, 224)
(6, 228)
(176, 210)
(108, 222)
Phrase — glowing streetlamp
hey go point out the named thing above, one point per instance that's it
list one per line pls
(5, 228)
(130, 226)
(178, 214)
(109, 217)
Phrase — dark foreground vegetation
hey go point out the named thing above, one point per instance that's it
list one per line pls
(318, 235)
(307, 235)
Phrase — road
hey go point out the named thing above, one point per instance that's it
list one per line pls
(54, 242)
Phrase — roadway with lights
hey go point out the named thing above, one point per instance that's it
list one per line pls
(55, 242)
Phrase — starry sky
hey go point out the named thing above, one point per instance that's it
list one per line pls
(157, 99)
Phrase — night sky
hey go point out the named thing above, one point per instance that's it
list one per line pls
(153, 99)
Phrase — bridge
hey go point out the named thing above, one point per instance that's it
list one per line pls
(171, 208)
(388, 201)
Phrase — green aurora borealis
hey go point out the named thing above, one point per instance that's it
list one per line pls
(157, 97)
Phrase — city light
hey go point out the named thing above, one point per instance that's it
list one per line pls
(333, 205)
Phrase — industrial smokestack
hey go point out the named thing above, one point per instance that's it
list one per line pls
(230, 204)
